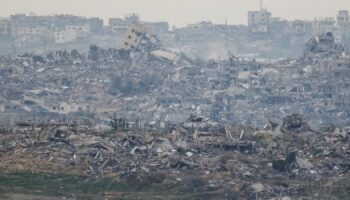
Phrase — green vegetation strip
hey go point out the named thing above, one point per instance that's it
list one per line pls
(56, 184)
(63, 185)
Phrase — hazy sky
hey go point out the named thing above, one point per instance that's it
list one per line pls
(177, 12)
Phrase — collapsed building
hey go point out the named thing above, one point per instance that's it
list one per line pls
(139, 38)
(323, 45)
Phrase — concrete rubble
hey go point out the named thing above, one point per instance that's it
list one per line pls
(148, 86)
(263, 164)
(323, 46)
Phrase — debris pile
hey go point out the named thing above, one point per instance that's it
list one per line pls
(294, 124)
(151, 86)
(323, 46)
(196, 155)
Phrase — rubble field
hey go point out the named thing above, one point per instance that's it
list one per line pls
(197, 159)
(147, 85)
(244, 138)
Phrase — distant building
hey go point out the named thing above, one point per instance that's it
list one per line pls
(325, 25)
(72, 34)
(193, 32)
(204, 31)
(343, 20)
(5, 27)
(95, 23)
(343, 17)
(57, 28)
(81, 31)
(120, 26)
(278, 26)
(259, 21)
(301, 27)
(22, 24)
(66, 36)
(158, 27)
(31, 34)
(161, 29)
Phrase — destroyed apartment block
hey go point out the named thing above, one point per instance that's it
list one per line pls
(139, 38)
(323, 46)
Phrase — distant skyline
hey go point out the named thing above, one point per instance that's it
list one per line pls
(177, 12)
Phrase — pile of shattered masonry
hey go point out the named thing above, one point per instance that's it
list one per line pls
(281, 161)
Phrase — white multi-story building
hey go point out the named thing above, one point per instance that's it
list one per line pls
(259, 21)
(71, 33)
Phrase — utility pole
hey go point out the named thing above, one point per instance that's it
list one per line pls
(261, 5)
